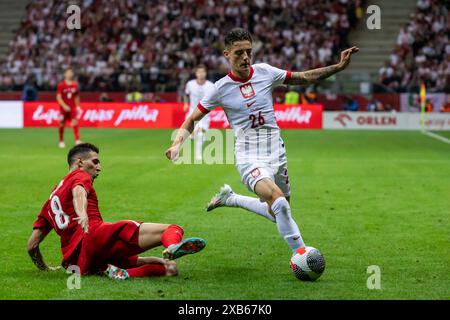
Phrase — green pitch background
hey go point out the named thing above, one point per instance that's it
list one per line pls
(362, 198)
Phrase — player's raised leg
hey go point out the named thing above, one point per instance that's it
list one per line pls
(176, 247)
(268, 190)
(171, 237)
(225, 197)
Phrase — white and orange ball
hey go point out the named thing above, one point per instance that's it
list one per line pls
(307, 263)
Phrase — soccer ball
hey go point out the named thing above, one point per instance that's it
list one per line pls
(307, 263)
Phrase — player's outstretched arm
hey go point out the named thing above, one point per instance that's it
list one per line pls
(37, 236)
(80, 203)
(183, 133)
(316, 75)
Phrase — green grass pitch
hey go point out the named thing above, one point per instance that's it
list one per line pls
(362, 198)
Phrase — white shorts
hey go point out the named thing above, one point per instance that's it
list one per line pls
(252, 173)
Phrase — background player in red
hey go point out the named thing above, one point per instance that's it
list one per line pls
(96, 246)
(68, 98)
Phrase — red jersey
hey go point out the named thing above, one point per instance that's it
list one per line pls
(58, 213)
(68, 93)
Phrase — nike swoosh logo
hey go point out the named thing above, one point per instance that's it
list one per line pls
(250, 104)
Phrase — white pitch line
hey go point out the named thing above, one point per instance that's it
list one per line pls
(436, 136)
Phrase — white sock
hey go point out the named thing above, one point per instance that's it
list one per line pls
(286, 225)
(199, 144)
(250, 204)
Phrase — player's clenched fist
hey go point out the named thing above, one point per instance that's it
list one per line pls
(173, 153)
(345, 56)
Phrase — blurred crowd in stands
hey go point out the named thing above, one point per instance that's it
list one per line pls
(422, 51)
(153, 45)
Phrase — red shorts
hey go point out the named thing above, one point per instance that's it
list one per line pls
(68, 116)
(110, 243)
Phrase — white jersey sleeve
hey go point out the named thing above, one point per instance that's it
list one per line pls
(187, 89)
(210, 100)
(278, 76)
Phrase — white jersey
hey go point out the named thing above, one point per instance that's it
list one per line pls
(196, 92)
(248, 104)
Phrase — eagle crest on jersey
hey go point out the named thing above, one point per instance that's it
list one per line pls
(247, 90)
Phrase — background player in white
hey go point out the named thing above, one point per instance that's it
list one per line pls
(194, 92)
(245, 94)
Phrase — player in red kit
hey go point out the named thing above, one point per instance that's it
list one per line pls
(68, 98)
(96, 246)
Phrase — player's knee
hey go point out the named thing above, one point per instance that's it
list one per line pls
(171, 268)
(276, 194)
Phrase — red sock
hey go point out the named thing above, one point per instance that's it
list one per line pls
(61, 134)
(147, 270)
(76, 133)
(173, 234)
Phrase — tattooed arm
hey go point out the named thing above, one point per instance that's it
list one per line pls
(316, 75)
(33, 250)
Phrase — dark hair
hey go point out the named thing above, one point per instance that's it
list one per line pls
(237, 34)
(81, 149)
(200, 66)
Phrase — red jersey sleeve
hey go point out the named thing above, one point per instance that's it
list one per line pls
(83, 179)
(59, 88)
(41, 222)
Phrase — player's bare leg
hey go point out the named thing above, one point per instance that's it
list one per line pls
(171, 237)
(170, 265)
(150, 235)
(61, 143)
(76, 131)
(267, 189)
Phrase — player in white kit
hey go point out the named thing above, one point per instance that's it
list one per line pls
(194, 91)
(245, 94)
